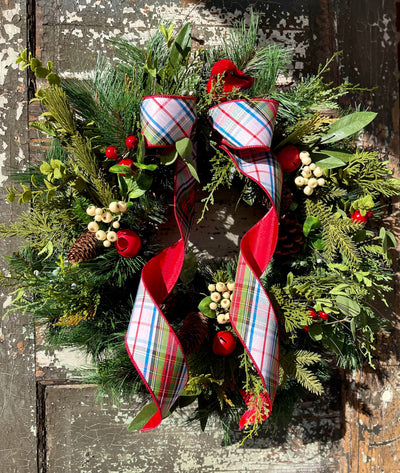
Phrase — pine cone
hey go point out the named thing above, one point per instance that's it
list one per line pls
(286, 199)
(193, 332)
(291, 238)
(84, 249)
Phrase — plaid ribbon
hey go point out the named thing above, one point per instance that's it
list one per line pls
(167, 119)
(151, 343)
(246, 128)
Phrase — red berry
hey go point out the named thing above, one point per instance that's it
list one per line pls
(127, 162)
(132, 142)
(357, 217)
(370, 214)
(112, 152)
(289, 158)
(224, 343)
(323, 315)
(306, 329)
(312, 313)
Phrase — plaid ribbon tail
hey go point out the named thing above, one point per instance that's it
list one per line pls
(246, 128)
(252, 314)
(152, 344)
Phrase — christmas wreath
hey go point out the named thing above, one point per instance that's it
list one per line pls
(128, 147)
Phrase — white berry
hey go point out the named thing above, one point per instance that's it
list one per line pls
(308, 190)
(114, 207)
(107, 217)
(226, 295)
(312, 166)
(211, 287)
(312, 182)
(306, 172)
(101, 235)
(230, 286)
(91, 210)
(112, 236)
(122, 206)
(321, 181)
(299, 181)
(116, 225)
(107, 243)
(213, 306)
(98, 211)
(93, 227)
(225, 303)
(318, 172)
(220, 287)
(215, 296)
(223, 318)
(98, 218)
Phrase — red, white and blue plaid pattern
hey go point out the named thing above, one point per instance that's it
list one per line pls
(150, 341)
(166, 119)
(251, 314)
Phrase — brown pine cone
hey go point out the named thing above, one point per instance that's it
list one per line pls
(84, 249)
(193, 332)
(291, 238)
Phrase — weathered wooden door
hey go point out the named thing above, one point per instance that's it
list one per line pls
(49, 423)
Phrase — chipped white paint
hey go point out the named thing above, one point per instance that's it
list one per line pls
(387, 396)
(68, 358)
(8, 56)
(11, 13)
(20, 109)
(11, 30)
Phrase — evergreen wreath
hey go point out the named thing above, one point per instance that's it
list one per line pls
(100, 194)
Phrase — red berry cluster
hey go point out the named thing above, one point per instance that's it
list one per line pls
(112, 152)
(318, 315)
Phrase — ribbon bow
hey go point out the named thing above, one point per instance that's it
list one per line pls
(246, 128)
(151, 343)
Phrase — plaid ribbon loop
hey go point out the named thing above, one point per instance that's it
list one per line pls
(246, 128)
(167, 119)
(151, 343)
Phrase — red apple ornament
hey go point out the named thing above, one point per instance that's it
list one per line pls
(112, 152)
(128, 243)
(224, 343)
(289, 158)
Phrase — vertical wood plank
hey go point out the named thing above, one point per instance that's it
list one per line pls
(17, 383)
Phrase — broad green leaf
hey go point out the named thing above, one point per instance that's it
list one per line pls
(123, 185)
(11, 196)
(180, 48)
(192, 169)
(327, 162)
(311, 223)
(168, 159)
(120, 169)
(347, 126)
(289, 279)
(353, 328)
(318, 244)
(35, 63)
(315, 331)
(150, 167)
(338, 289)
(45, 168)
(347, 306)
(140, 186)
(53, 78)
(41, 72)
(345, 157)
(184, 147)
(57, 173)
(204, 307)
(33, 181)
(143, 417)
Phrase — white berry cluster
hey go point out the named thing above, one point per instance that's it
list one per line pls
(221, 297)
(112, 214)
(311, 174)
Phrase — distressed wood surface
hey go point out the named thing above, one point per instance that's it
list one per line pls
(17, 382)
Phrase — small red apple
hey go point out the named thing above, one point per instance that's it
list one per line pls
(224, 343)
